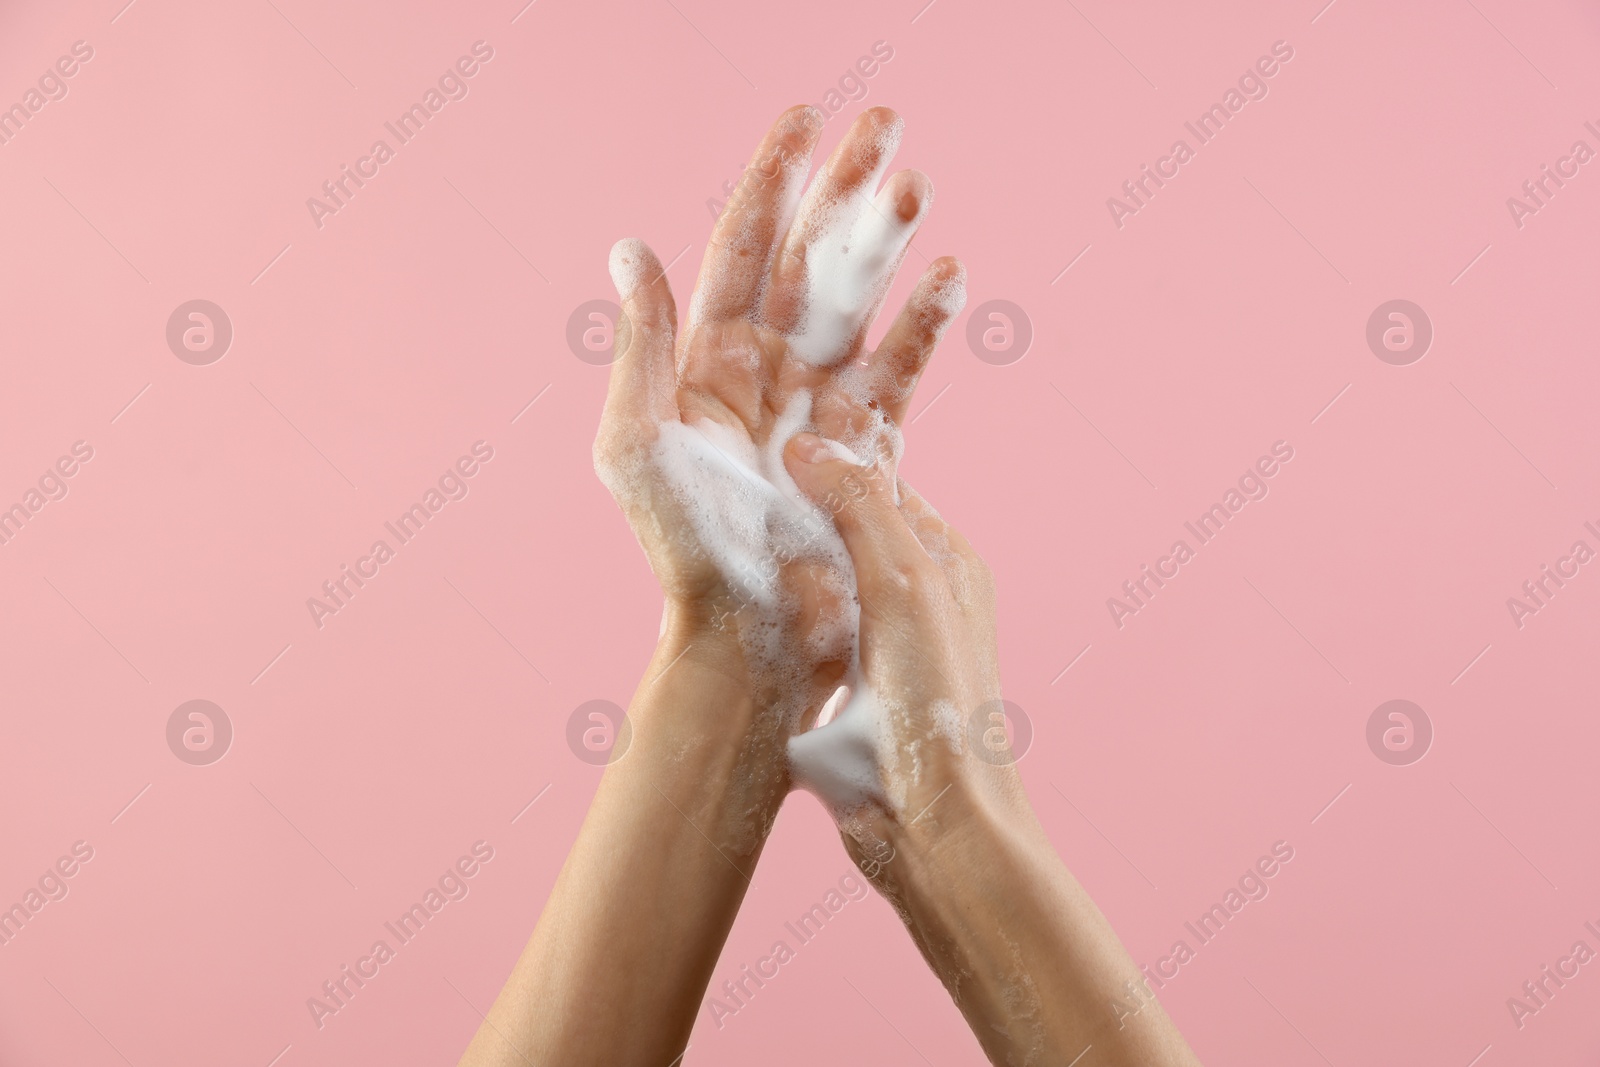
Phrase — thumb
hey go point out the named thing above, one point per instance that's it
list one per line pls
(642, 377)
(891, 565)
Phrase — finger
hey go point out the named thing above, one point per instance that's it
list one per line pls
(893, 572)
(890, 374)
(738, 259)
(875, 247)
(971, 581)
(852, 264)
(842, 238)
(724, 371)
(642, 390)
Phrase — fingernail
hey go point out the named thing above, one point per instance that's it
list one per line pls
(810, 448)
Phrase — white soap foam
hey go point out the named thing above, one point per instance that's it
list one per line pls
(751, 517)
(840, 761)
(849, 265)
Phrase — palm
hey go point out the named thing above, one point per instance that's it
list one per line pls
(748, 399)
(774, 342)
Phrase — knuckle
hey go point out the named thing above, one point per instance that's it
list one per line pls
(915, 579)
(900, 580)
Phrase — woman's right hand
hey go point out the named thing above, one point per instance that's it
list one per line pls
(940, 822)
(929, 722)
(773, 341)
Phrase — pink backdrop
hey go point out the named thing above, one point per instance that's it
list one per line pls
(1227, 313)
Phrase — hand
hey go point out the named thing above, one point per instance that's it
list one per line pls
(929, 671)
(695, 421)
(939, 820)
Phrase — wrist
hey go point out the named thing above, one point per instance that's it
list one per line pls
(702, 626)
(699, 739)
(979, 819)
(696, 680)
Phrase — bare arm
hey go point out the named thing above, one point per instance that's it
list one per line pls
(624, 949)
(1028, 957)
(948, 835)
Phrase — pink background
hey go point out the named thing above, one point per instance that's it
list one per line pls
(368, 355)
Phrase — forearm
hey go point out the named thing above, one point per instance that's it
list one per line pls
(622, 953)
(1025, 953)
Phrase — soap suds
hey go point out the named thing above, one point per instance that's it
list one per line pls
(852, 254)
(752, 519)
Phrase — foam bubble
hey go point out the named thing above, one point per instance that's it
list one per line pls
(849, 265)
(840, 761)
